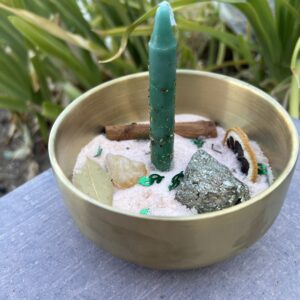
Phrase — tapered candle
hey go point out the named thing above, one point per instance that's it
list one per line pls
(162, 83)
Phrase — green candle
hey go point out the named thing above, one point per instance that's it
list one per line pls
(162, 74)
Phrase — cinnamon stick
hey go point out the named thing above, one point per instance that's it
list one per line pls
(141, 131)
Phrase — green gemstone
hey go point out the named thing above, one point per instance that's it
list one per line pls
(198, 142)
(262, 169)
(145, 211)
(99, 152)
(145, 181)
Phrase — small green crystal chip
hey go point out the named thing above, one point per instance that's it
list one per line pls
(262, 169)
(176, 181)
(145, 181)
(198, 142)
(145, 211)
(148, 181)
(98, 152)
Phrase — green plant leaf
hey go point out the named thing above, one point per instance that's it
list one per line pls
(294, 101)
(41, 76)
(55, 48)
(72, 16)
(71, 91)
(12, 104)
(129, 29)
(237, 43)
(92, 180)
(56, 30)
(176, 5)
(44, 31)
(291, 9)
(143, 30)
(295, 55)
(266, 34)
(12, 87)
(12, 69)
(12, 37)
(44, 128)
(51, 110)
(265, 17)
(77, 40)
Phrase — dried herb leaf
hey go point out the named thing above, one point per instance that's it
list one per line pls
(95, 182)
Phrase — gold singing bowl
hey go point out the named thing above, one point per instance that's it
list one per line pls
(176, 242)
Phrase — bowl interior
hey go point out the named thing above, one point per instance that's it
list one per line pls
(225, 100)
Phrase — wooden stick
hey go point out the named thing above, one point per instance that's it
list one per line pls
(136, 131)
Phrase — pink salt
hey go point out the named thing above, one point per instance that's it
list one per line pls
(157, 198)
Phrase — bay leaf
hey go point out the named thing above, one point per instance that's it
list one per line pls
(92, 180)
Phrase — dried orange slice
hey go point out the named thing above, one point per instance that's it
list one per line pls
(238, 141)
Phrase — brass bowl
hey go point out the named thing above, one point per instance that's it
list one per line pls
(176, 242)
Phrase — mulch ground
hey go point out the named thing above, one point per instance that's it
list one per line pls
(16, 171)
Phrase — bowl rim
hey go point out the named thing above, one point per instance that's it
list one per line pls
(278, 181)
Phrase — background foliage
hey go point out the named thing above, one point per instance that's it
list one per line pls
(50, 49)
